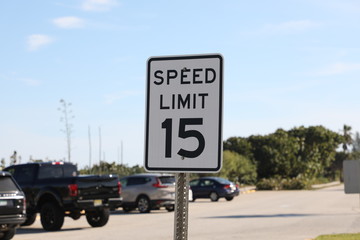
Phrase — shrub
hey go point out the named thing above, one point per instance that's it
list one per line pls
(268, 184)
(278, 183)
(294, 184)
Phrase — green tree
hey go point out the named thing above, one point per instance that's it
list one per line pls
(275, 154)
(112, 168)
(238, 168)
(240, 145)
(318, 149)
(301, 153)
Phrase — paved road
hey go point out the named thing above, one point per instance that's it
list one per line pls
(263, 215)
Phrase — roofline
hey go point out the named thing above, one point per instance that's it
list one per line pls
(38, 163)
(151, 174)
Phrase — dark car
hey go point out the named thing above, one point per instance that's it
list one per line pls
(214, 188)
(12, 206)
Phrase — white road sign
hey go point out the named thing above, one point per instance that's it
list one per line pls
(183, 130)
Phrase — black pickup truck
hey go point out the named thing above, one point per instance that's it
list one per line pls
(12, 206)
(55, 190)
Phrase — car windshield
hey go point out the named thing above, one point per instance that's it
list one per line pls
(6, 184)
(167, 179)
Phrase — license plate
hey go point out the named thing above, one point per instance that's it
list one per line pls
(3, 202)
(97, 202)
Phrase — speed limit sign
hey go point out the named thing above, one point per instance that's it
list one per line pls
(183, 131)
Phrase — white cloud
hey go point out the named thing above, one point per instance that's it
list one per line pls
(98, 5)
(36, 41)
(347, 6)
(30, 81)
(290, 26)
(338, 68)
(69, 22)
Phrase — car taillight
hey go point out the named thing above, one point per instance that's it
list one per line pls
(73, 190)
(227, 186)
(158, 184)
(119, 187)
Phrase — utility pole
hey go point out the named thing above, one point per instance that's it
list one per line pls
(100, 149)
(122, 160)
(89, 130)
(118, 155)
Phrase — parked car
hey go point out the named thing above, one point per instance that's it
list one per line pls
(214, 188)
(12, 206)
(148, 191)
(55, 190)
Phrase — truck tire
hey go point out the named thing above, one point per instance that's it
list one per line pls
(52, 216)
(98, 218)
(30, 219)
(8, 234)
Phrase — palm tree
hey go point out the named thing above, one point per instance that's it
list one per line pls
(347, 137)
(68, 128)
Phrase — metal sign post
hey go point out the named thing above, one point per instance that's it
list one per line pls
(181, 206)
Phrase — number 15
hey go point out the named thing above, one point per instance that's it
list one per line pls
(167, 125)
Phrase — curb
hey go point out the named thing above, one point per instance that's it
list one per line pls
(247, 190)
(325, 185)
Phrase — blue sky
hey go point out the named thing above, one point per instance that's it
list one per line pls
(286, 63)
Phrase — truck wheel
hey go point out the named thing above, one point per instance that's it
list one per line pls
(8, 234)
(30, 219)
(98, 218)
(143, 204)
(52, 217)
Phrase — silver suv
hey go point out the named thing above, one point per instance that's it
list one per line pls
(147, 192)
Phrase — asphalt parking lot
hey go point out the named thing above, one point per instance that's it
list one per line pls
(288, 215)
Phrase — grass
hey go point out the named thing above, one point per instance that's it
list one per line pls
(351, 236)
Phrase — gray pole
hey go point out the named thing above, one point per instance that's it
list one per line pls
(89, 148)
(181, 206)
(99, 150)
(122, 159)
